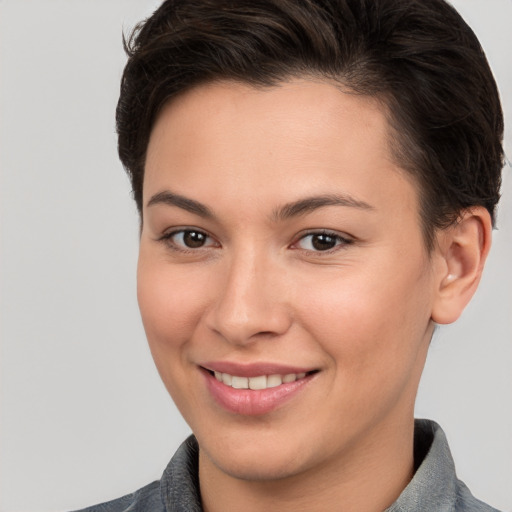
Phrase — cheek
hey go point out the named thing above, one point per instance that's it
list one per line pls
(376, 338)
(369, 322)
(170, 303)
(170, 306)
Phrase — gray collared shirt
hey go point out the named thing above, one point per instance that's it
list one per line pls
(434, 487)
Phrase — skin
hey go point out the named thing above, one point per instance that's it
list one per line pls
(361, 313)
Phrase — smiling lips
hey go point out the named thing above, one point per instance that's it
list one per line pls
(252, 393)
(259, 382)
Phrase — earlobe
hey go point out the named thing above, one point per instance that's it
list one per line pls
(461, 253)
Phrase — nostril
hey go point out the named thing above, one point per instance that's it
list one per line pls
(266, 333)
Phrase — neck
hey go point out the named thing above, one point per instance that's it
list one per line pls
(368, 478)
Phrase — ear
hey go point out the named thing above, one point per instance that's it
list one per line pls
(461, 253)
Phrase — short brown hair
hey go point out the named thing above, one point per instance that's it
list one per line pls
(419, 57)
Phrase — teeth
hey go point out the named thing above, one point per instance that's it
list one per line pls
(274, 381)
(240, 382)
(259, 382)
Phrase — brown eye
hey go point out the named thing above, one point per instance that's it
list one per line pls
(323, 242)
(319, 242)
(194, 239)
(190, 239)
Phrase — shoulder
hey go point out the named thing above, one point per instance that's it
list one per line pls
(146, 499)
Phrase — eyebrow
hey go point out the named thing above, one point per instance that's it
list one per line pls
(172, 199)
(309, 204)
(293, 209)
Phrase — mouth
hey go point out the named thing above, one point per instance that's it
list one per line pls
(256, 394)
(258, 382)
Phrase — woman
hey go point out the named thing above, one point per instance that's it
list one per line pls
(298, 235)
(317, 185)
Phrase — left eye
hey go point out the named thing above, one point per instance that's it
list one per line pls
(190, 239)
(321, 241)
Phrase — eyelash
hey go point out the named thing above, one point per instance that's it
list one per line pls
(168, 239)
(340, 241)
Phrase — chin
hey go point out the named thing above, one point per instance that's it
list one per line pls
(258, 469)
(253, 459)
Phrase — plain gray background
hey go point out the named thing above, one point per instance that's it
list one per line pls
(84, 417)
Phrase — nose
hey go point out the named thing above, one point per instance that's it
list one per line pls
(250, 302)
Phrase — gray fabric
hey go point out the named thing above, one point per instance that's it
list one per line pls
(434, 487)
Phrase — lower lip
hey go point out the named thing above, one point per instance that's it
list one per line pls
(250, 402)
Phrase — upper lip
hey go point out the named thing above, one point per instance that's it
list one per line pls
(254, 369)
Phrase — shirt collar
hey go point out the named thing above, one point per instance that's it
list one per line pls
(434, 484)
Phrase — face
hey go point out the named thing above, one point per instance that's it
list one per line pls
(283, 280)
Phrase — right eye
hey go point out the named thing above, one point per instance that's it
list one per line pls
(189, 239)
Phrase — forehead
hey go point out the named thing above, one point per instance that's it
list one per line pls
(297, 138)
(311, 109)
